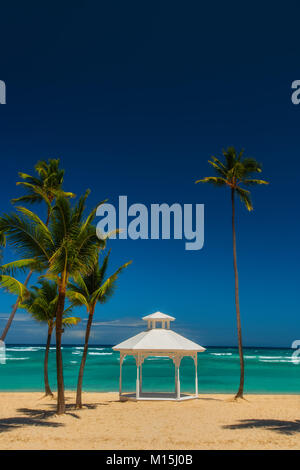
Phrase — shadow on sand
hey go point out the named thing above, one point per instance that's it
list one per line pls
(8, 424)
(34, 417)
(277, 425)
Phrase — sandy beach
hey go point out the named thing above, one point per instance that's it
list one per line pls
(28, 421)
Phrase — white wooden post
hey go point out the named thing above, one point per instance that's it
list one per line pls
(141, 378)
(196, 376)
(178, 383)
(177, 360)
(137, 389)
(175, 370)
(120, 380)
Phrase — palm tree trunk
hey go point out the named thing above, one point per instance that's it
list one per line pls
(46, 380)
(83, 359)
(13, 312)
(48, 215)
(59, 364)
(237, 303)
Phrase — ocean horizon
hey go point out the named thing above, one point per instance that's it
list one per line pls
(267, 370)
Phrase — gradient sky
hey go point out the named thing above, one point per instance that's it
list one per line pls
(134, 97)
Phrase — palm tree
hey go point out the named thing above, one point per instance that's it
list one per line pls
(235, 172)
(46, 186)
(42, 306)
(67, 247)
(88, 290)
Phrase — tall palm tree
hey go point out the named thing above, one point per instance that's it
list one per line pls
(235, 172)
(42, 305)
(67, 247)
(88, 290)
(44, 187)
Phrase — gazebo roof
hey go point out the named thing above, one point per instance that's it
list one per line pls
(158, 339)
(158, 316)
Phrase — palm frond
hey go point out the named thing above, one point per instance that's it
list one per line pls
(80, 285)
(216, 181)
(60, 193)
(25, 237)
(19, 265)
(71, 321)
(230, 157)
(103, 268)
(36, 220)
(218, 168)
(216, 160)
(79, 209)
(106, 290)
(92, 215)
(13, 286)
(77, 298)
(42, 301)
(251, 166)
(29, 199)
(2, 240)
(29, 178)
(245, 198)
(254, 182)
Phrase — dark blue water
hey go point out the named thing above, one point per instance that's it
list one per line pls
(267, 370)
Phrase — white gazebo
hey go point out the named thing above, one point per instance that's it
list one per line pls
(158, 340)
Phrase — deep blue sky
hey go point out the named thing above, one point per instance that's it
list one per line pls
(134, 97)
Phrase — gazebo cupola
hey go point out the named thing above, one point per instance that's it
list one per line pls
(158, 320)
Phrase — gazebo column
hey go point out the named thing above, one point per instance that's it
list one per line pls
(137, 387)
(196, 374)
(177, 361)
(141, 377)
(178, 382)
(120, 379)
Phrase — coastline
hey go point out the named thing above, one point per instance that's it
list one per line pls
(213, 421)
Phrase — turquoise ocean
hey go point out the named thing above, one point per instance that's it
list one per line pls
(267, 370)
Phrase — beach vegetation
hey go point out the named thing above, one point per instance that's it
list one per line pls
(45, 186)
(87, 291)
(41, 304)
(236, 172)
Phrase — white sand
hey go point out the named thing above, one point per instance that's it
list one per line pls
(28, 421)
